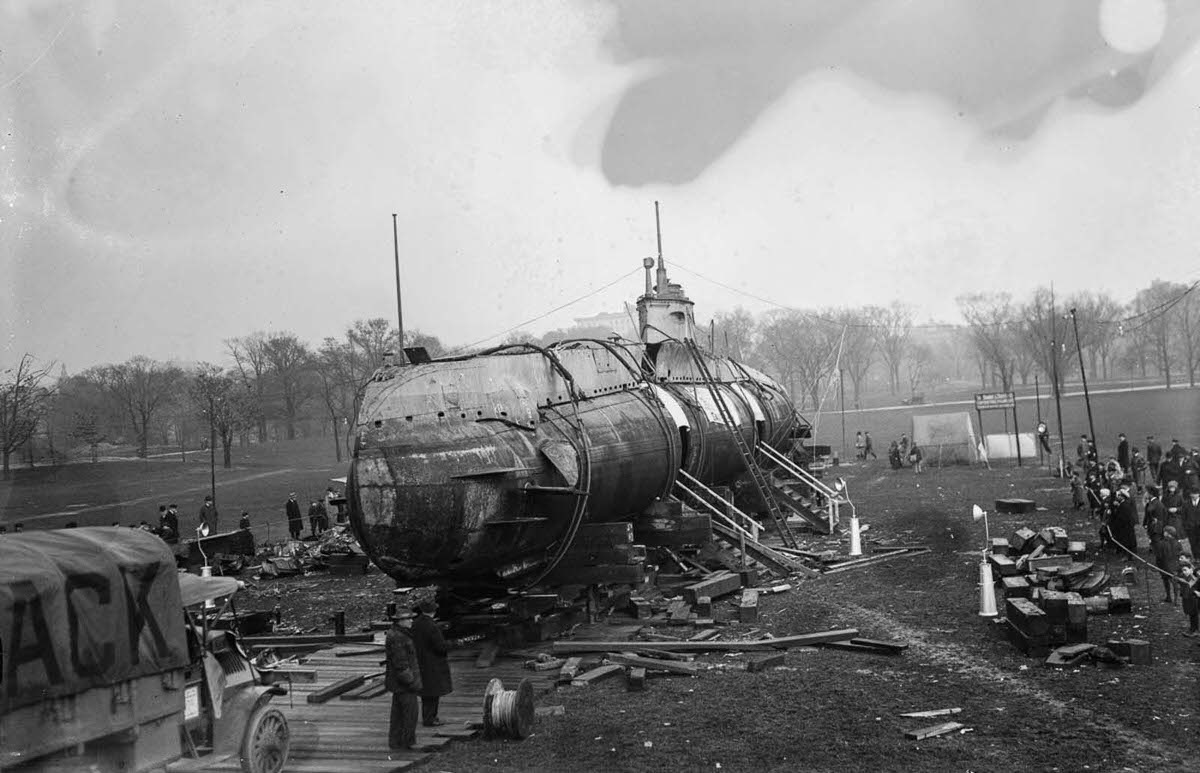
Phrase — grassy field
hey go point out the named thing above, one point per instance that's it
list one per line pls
(130, 491)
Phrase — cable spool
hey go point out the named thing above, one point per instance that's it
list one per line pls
(508, 713)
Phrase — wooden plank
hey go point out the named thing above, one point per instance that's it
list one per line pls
(704, 635)
(569, 669)
(336, 689)
(596, 674)
(652, 664)
(846, 566)
(781, 642)
(932, 713)
(1026, 617)
(713, 587)
(933, 730)
(307, 639)
(896, 646)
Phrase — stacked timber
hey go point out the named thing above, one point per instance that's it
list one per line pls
(670, 523)
(600, 554)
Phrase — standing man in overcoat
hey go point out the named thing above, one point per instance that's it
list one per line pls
(295, 520)
(431, 655)
(403, 679)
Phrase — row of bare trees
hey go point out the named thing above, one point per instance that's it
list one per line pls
(1157, 334)
(270, 380)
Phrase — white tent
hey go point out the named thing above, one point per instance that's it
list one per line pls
(946, 438)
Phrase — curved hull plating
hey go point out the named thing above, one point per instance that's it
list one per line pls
(471, 471)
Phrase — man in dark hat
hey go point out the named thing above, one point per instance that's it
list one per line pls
(1123, 457)
(168, 525)
(431, 655)
(403, 679)
(208, 515)
(295, 520)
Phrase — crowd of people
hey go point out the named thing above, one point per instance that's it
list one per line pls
(1168, 482)
(901, 453)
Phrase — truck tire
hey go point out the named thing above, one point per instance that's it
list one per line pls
(265, 745)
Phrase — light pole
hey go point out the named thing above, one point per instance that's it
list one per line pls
(1062, 444)
(1083, 375)
(399, 307)
(842, 390)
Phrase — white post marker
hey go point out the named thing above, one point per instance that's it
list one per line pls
(987, 589)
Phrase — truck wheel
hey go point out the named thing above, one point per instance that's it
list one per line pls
(265, 746)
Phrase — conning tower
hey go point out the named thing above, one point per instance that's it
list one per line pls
(664, 312)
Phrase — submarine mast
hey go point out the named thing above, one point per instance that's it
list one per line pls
(664, 311)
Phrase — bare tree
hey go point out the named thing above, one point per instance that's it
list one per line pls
(225, 402)
(916, 365)
(340, 380)
(24, 397)
(1097, 315)
(859, 345)
(1154, 323)
(892, 331)
(733, 334)
(1187, 329)
(801, 348)
(141, 387)
(249, 353)
(290, 362)
(991, 320)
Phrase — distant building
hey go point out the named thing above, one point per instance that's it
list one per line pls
(621, 323)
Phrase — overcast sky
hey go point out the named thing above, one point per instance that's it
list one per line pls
(177, 173)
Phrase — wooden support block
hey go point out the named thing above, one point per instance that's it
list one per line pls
(1077, 549)
(1016, 587)
(1076, 609)
(1137, 650)
(1015, 505)
(635, 680)
(651, 664)
(1055, 605)
(749, 577)
(336, 689)
(569, 669)
(704, 606)
(748, 607)
(765, 662)
(612, 574)
(641, 608)
(1061, 541)
(1032, 646)
(714, 587)
(487, 656)
(999, 546)
(596, 674)
(1019, 539)
(679, 612)
(1047, 537)
(1096, 605)
(1026, 617)
(621, 531)
(1004, 566)
(1118, 599)
(933, 730)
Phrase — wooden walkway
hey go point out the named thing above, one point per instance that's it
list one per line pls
(350, 736)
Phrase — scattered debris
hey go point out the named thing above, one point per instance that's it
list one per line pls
(933, 730)
(932, 713)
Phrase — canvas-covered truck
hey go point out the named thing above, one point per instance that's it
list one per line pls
(107, 662)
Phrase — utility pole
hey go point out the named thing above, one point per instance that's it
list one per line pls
(1083, 374)
(1062, 445)
(399, 307)
(842, 389)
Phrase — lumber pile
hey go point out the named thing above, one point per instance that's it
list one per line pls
(1049, 589)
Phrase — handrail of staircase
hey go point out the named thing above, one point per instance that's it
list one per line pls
(750, 534)
(755, 526)
(812, 480)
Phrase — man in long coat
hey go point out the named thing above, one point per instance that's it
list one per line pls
(1191, 521)
(1122, 520)
(208, 515)
(403, 679)
(295, 520)
(431, 655)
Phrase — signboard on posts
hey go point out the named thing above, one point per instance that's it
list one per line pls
(986, 400)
